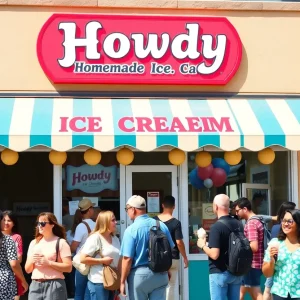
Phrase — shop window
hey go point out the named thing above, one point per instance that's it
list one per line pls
(99, 183)
(249, 170)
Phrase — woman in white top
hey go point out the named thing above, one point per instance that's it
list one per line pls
(102, 237)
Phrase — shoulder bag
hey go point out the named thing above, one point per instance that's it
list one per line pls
(111, 276)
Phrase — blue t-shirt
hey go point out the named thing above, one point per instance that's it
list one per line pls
(135, 243)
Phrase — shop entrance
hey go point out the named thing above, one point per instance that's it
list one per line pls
(153, 183)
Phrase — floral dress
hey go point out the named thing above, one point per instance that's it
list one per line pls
(287, 271)
(8, 252)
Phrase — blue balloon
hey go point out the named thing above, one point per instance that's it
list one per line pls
(195, 181)
(221, 163)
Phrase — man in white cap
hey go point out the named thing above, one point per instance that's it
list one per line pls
(86, 207)
(143, 283)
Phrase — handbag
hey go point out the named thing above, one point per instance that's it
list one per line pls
(111, 276)
(78, 265)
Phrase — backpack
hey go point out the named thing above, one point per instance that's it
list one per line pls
(267, 232)
(160, 252)
(239, 251)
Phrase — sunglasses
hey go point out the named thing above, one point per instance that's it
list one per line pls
(290, 222)
(42, 224)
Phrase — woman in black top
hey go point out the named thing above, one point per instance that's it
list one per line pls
(174, 227)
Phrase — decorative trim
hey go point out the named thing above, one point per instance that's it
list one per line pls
(155, 4)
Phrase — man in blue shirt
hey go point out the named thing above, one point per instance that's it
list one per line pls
(143, 283)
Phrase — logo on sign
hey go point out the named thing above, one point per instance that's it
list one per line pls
(134, 49)
(92, 179)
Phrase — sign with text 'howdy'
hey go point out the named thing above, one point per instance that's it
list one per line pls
(87, 48)
(92, 179)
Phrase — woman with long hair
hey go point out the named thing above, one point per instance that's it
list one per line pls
(10, 227)
(49, 256)
(282, 258)
(102, 239)
(9, 265)
(287, 205)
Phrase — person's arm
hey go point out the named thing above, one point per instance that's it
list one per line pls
(213, 251)
(181, 248)
(11, 254)
(29, 265)
(268, 219)
(90, 248)
(251, 231)
(80, 233)
(74, 246)
(127, 253)
(19, 243)
(269, 262)
(16, 268)
(65, 266)
(125, 269)
(254, 246)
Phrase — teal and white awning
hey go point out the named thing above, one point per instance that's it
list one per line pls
(146, 124)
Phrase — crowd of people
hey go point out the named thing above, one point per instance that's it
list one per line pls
(92, 236)
(279, 261)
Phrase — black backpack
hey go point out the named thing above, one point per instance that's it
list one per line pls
(267, 232)
(160, 252)
(239, 251)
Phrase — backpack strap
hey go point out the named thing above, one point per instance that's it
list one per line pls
(256, 218)
(229, 226)
(87, 226)
(157, 224)
(57, 249)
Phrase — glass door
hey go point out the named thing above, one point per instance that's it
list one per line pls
(152, 183)
(259, 195)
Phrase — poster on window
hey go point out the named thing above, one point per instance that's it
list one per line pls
(153, 202)
(208, 216)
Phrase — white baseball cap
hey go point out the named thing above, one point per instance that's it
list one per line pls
(136, 201)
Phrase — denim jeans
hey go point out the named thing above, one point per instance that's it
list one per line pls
(98, 292)
(81, 291)
(143, 284)
(225, 286)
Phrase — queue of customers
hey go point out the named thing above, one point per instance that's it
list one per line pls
(279, 261)
(49, 257)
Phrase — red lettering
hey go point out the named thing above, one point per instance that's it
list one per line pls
(177, 126)
(161, 124)
(63, 124)
(194, 124)
(122, 122)
(94, 124)
(74, 126)
(144, 124)
(210, 124)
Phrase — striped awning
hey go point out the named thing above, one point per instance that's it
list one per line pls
(146, 124)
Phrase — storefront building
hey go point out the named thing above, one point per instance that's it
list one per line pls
(150, 99)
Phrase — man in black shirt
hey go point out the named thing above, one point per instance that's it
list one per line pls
(223, 285)
(174, 227)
